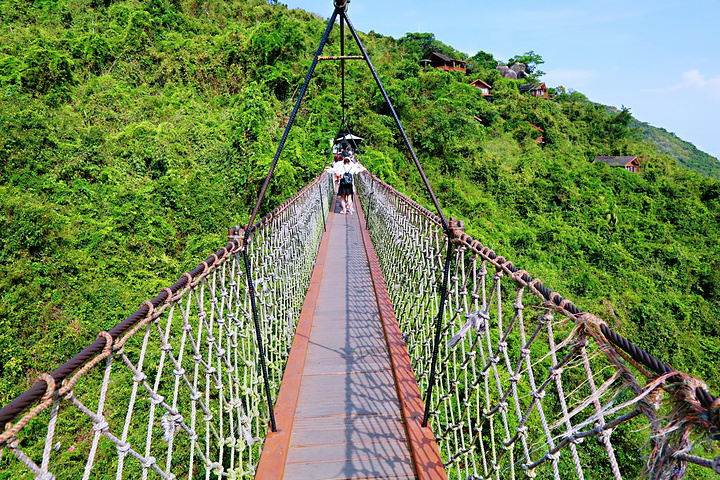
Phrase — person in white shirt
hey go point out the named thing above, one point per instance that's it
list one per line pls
(346, 170)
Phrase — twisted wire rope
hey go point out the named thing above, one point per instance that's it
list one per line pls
(181, 393)
(521, 393)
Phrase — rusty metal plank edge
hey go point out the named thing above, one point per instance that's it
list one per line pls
(425, 452)
(275, 449)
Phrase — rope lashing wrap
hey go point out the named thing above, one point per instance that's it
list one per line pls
(180, 390)
(525, 378)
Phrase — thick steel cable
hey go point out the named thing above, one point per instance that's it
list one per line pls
(438, 328)
(249, 228)
(35, 393)
(638, 354)
(397, 123)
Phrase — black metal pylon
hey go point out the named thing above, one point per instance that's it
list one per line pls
(341, 11)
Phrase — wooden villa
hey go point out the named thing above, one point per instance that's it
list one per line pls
(484, 88)
(630, 163)
(443, 62)
(538, 91)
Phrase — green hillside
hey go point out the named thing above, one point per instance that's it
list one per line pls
(667, 143)
(135, 132)
(684, 152)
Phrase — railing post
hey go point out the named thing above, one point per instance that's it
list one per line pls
(453, 225)
(258, 333)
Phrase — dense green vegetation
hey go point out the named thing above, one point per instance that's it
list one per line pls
(135, 132)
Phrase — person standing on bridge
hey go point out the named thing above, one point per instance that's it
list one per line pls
(346, 170)
(337, 161)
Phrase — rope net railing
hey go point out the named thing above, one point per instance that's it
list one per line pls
(527, 385)
(176, 391)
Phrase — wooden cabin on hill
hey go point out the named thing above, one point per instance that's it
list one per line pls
(484, 88)
(538, 91)
(630, 164)
(443, 62)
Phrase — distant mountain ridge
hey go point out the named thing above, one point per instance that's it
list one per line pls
(667, 143)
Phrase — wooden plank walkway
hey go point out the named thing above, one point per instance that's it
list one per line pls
(338, 411)
(348, 422)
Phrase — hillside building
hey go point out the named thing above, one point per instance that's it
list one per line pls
(443, 62)
(538, 91)
(484, 88)
(630, 164)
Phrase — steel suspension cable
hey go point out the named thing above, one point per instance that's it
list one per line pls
(438, 327)
(249, 229)
(446, 226)
(398, 123)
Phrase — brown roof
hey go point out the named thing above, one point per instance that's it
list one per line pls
(446, 58)
(479, 83)
(614, 161)
(527, 87)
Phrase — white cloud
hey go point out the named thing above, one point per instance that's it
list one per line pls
(695, 79)
(693, 82)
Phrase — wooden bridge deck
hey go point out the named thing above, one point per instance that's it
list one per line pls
(348, 406)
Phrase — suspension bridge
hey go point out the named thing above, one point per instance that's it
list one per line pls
(387, 344)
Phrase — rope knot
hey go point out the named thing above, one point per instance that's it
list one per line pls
(604, 436)
(99, 424)
(169, 294)
(150, 307)
(572, 438)
(140, 377)
(108, 342)
(538, 394)
(50, 385)
(515, 378)
(123, 448)
(149, 462)
(553, 456)
(529, 472)
(555, 372)
(545, 318)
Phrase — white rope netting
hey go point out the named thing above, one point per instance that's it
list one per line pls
(523, 388)
(181, 394)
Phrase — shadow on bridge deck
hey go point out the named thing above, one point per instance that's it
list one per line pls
(338, 412)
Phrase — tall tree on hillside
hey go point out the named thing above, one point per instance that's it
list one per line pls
(481, 61)
(421, 44)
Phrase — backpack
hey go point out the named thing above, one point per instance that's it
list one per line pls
(346, 179)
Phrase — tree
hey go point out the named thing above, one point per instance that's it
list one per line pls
(421, 44)
(481, 61)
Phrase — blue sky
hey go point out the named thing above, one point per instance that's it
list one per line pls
(660, 58)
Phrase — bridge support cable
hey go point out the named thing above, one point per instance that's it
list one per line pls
(525, 378)
(428, 187)
(438, 329)
(250, 226)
